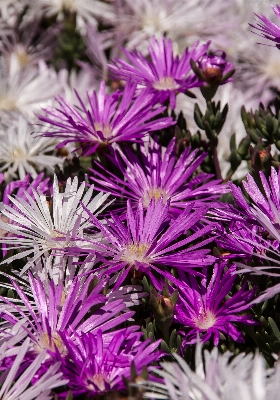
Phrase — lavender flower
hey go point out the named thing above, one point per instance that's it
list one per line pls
(151, 240)
(111, 118)
(94, 367)
(166, 74)
(203, 309)
(159, 174)
(268, 29)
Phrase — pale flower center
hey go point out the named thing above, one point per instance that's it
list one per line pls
(18, 154)
(97, 381)
(50, 343)
(136, 252)
(206, 319)
(68, 5)
(153, 22)
(104, 128)
(155, 193)
(7, 104)
(272, 69)
(166, 83)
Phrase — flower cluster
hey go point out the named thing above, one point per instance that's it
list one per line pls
(130, 234)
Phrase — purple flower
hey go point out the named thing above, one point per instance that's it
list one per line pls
(268, 29)
(16, 381)
(53, 311)
(118, 117)
(165, 73)
(266, 210)
(94, 367)
(214, 68)
(203, 309)
(151, 242)
(24, 187)
(159, 174)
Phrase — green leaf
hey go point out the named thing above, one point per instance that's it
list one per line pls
(274, 328)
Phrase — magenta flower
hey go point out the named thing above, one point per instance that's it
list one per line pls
(24, 187)
(165, 73)
(151, 242)
(268, 29)
(118, 117)
(94, 367)
(160, 174)
(54, 311)
(215, 68)
(203, 310)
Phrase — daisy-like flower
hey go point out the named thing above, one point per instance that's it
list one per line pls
(268, 29)
(109, 119)
(31, 221)
(216, 376)
(266, 207)
(165, 74)
(148, 243)
(159, 174)
(22, 152)
(183, 22)
(28, 43)
(94, 367)
(83, 11)
(26, 90)
(52, 312)
(16, 385)
(203, 309)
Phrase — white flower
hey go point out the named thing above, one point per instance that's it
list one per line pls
(216, 377)
(23, 152)
(84, 10)
(26, 90)
(181, 20)
(31, 222)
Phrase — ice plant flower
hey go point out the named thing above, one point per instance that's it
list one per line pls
(31, 221)
(26, 90)
(16, 385)
(83, 11)
(165, 74)
(214, 70)
(53, 312)
(158, 173)
(216, 376)
(268, 29)
(203, 310)
(110, 118)
(151, 243)
(214, 67)
(95, 367)
(22, 152)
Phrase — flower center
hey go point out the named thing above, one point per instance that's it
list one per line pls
(155, 193)
(206, 319)
(18, 154)
(272, 69)
(47, 342)
(136, 252)
(104, 128)
(7, 104)
(98, 382)
(166, 83)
